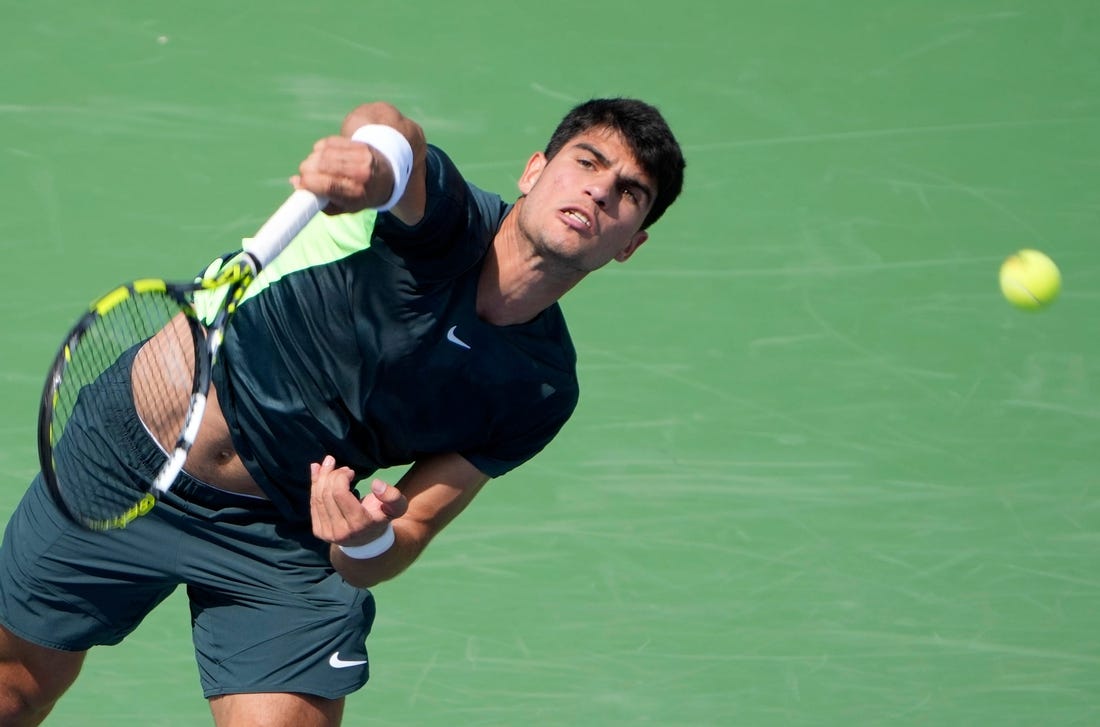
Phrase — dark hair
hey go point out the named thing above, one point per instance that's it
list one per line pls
(647, 134)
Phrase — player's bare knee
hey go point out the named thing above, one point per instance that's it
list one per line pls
(32, 679)
(19, 708)
(25, 700)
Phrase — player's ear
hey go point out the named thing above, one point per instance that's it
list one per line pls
(531, 172)
(635, 242)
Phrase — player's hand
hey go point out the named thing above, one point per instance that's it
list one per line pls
(350, 174)
(342, 518)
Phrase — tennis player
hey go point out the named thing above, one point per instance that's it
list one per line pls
(415, 324)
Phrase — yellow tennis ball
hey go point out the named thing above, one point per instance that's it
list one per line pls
(1030, 279)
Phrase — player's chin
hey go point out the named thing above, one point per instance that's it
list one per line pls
(567, 256)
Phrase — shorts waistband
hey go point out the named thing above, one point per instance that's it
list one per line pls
(208, 496)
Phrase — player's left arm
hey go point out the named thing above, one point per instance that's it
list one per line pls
(431, 494)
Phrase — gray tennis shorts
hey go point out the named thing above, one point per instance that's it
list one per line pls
(269, 614)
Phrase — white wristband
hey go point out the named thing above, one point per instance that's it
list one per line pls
(392, 144)
(373, 549)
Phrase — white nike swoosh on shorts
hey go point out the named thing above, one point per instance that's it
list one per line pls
(337, 663)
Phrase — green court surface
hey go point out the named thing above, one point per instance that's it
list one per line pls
(821, 473)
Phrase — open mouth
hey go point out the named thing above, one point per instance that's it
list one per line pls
(578, 217)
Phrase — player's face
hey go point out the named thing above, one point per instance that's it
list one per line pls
(585, 207)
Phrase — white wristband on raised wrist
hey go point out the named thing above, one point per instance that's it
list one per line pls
(373, 549)
(392, 144)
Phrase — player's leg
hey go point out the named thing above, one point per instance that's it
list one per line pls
(32, 679)
(276, 710)
(62, 591)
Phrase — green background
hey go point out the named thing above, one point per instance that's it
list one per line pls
(821, 473)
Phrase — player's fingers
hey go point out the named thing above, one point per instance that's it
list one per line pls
(341, 170)
(339, 157)
(393, 501)
(340, 501)
(343, 497)
(329, 209)
(319, 510)
(345, 194)
(334, 507)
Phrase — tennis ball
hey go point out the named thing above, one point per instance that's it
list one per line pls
(1030, 280)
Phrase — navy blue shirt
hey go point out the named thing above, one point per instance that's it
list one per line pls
(375, 354)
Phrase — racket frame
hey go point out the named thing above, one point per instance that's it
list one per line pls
(235, 277)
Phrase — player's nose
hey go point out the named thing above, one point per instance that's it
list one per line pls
(599, 189)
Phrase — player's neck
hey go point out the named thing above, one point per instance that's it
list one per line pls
(515, 285)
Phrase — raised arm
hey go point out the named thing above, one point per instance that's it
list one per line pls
(431, 494)
(357, 175)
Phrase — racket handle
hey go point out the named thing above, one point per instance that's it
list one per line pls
(284, 226)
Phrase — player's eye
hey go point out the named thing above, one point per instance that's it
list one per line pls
(631, 194)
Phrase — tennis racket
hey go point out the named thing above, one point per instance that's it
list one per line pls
(144, 345)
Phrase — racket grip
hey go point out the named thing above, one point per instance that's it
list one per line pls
(284, 226)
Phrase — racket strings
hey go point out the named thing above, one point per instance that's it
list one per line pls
(163, 380)
(135, 358)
